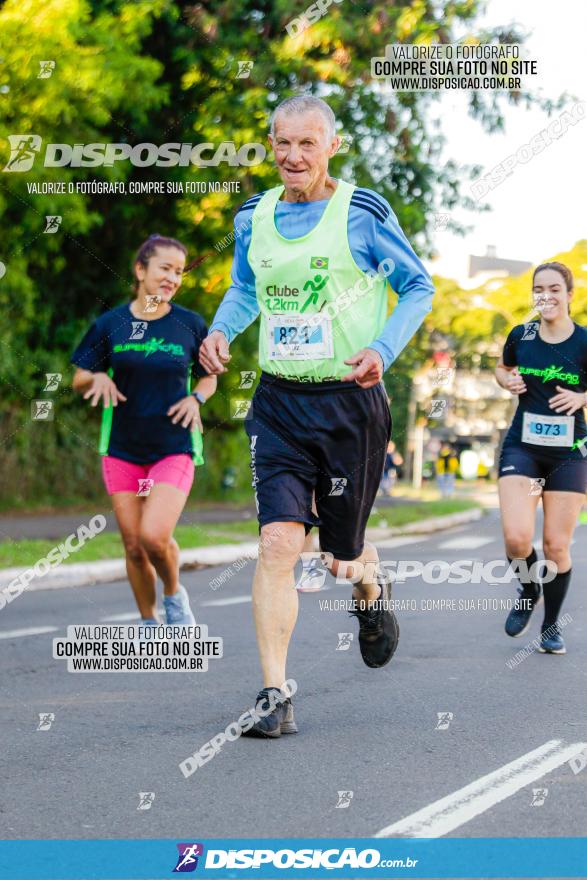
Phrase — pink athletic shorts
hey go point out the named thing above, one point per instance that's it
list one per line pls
(125, 476)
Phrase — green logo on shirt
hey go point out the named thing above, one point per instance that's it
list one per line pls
(315, 285)
(151, 346)
(550, 373)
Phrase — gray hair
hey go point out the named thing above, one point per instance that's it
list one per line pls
(305, 104)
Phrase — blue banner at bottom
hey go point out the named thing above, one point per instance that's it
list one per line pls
(340, 859)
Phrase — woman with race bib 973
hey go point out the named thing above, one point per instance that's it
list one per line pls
(544, 363)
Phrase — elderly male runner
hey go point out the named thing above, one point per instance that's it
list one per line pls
(312, 258)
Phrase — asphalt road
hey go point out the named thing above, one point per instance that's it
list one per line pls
(375, 733)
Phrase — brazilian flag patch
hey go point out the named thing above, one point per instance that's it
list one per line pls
(318, 262)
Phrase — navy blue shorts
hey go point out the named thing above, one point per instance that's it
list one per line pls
(329, 438)
(559, 474)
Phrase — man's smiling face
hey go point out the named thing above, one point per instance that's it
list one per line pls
(302, 147)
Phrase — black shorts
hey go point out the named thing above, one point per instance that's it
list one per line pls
(329, 438)
(559, 474)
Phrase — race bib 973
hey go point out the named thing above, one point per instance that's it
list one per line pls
(548, 430)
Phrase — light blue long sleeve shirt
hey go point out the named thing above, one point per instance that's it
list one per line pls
(374, 234)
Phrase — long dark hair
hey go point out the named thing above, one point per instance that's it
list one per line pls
(150, 245)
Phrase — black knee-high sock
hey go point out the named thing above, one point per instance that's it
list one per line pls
(531, 589)
(554, 596)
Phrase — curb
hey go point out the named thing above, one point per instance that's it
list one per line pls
(425, 526)
(81, 574)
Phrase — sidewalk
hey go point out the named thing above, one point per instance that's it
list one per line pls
(53, 526)
(481, 491)
(107, 571)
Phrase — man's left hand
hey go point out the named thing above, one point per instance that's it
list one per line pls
(368, 368)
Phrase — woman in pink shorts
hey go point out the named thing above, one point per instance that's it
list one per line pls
(138, 361)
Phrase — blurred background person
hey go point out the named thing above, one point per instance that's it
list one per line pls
(447, 465)
(393, 461)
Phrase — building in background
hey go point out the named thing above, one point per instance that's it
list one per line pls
(483, 268)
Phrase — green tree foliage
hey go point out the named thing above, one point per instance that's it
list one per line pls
(158, 71)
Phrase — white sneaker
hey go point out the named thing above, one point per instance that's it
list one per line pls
(311, 580)
(177, 608)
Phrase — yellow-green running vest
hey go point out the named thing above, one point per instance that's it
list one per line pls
(317, 306)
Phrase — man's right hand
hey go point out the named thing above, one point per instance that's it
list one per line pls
(104, 389)
(214, 353)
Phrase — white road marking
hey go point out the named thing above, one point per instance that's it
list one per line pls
(448, 813)
(31, 631)
(233, 600)
(467, 542)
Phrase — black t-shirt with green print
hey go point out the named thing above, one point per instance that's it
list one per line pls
(152, 363)
(543, 366)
